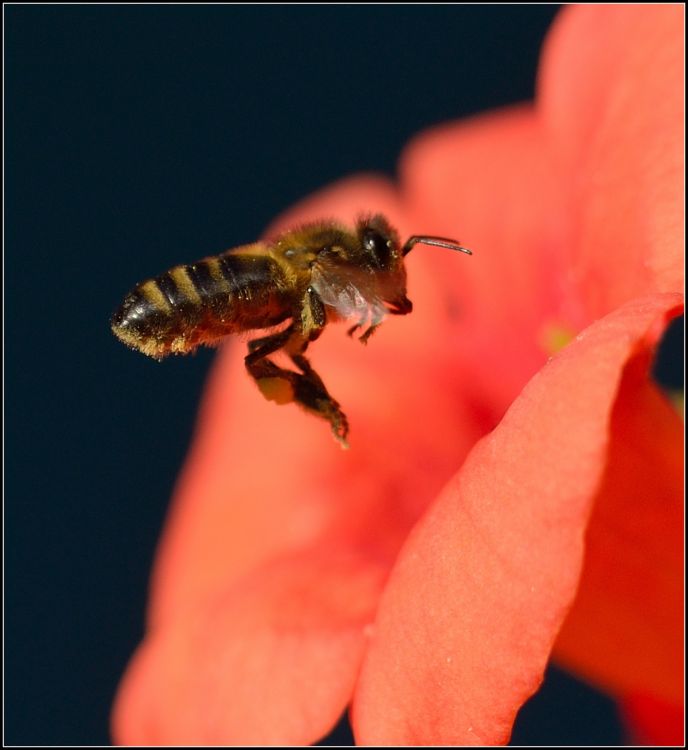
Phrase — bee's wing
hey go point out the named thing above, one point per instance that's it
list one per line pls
(352, 291)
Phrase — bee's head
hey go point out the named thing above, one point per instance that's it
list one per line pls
(385, 256)
(382, 251)
(380, 243)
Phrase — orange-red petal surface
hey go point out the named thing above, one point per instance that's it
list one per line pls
(470, 613)
(612, 102)
(271, 660)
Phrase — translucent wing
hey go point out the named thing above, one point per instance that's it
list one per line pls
(350, 291)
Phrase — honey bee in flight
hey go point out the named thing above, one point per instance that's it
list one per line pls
(308, 276)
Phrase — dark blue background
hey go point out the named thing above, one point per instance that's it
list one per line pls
(140, 137)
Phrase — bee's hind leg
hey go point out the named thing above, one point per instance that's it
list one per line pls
(312, 394)
(285, 386)
(274, 382)
(309, 389)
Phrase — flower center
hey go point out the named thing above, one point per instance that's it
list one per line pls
(554, 336)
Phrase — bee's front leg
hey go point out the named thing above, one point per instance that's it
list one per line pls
(375, 322)
(363, 338)
(350, 332)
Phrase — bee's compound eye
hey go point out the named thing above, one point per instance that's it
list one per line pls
(378, 246)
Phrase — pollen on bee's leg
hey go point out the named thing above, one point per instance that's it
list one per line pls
(278, 390)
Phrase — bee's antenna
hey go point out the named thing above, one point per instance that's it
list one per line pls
(437, 241)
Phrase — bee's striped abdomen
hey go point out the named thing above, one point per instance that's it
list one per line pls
(202, 302)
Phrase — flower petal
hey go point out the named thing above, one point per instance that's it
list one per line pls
(611, 97)
(653, 721)
(272, 660)
(488, 181)
(474, 603)
(629, 606)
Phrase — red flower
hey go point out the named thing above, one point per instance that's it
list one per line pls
(505, 499)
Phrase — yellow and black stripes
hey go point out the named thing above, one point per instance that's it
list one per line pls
(150, 291)
(206, 278)
(199, 303)
(178, 288)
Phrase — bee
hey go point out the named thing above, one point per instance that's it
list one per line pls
(303, 278)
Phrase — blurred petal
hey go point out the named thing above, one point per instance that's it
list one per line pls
(652, 721)
(488, 182)
(625, 631)
(272, 660)
(612, 101)
(474, 603)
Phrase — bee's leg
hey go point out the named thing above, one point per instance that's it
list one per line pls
(375, 323)
(363, 338)
(313, 319)
(285, 386)
(358, 325)
(271, 343)
(274, 382)
(310, 391)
